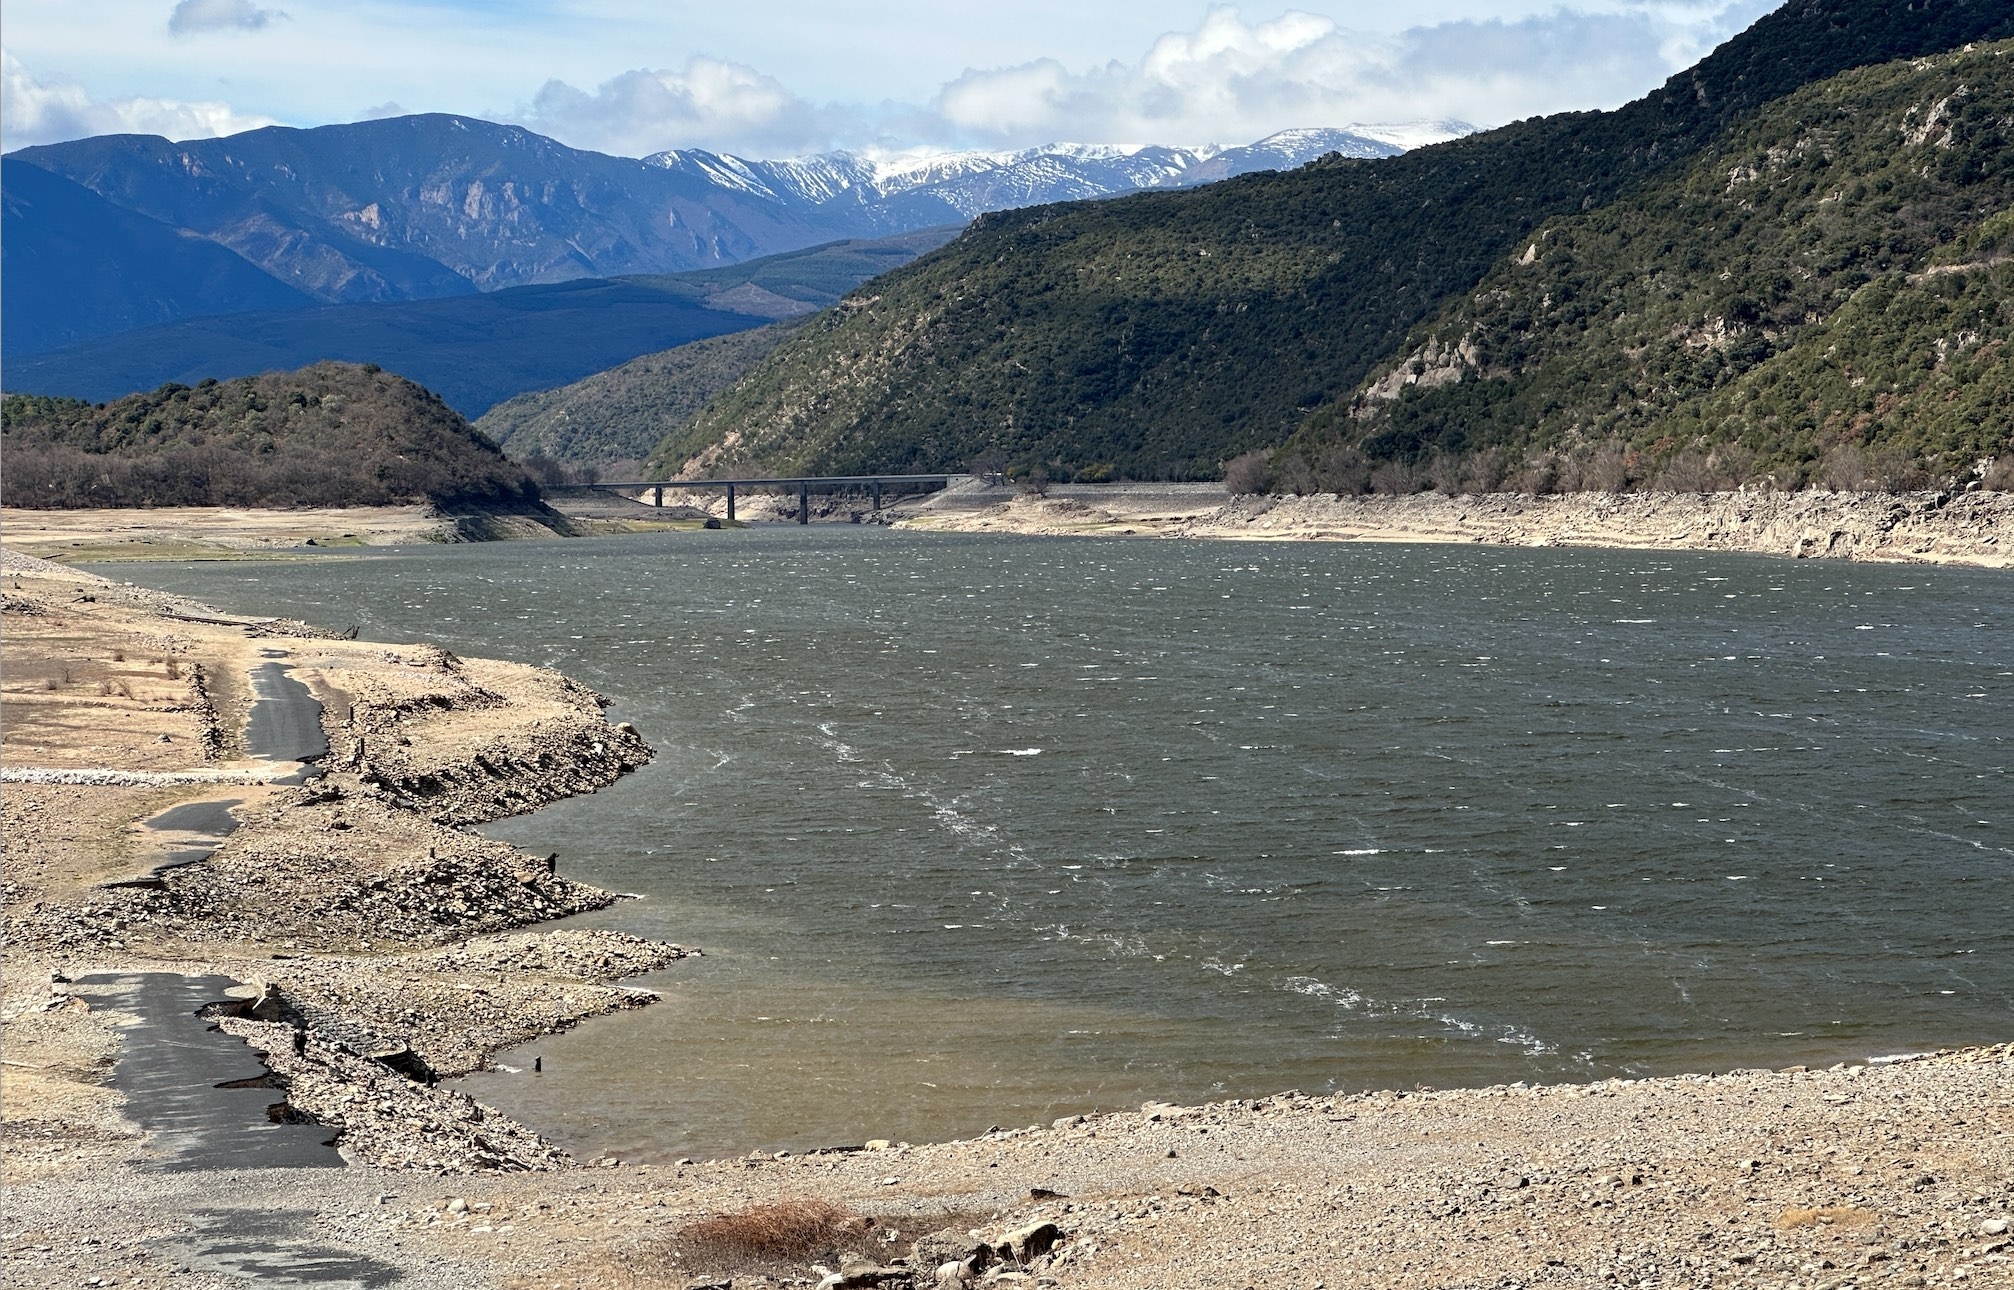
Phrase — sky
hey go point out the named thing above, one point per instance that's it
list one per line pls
(776, 78)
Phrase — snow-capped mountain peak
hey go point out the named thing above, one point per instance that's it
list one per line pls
(898, 189)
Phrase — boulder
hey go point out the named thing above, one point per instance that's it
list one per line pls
(1024, 1245)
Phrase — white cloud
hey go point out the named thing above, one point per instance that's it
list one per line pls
(33, 111)
(1227, 80)
(192, 16)
(1232, 80)
(809, 75)
(721, 105)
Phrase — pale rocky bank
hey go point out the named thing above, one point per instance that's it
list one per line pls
(379, 944)
(1971, 528)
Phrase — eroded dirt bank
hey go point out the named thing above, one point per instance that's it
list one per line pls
(375, 941)
(380, 945)
(1975, 528)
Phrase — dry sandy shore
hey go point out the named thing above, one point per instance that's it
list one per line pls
(1930, 528)
(366, 925)
(228, 533)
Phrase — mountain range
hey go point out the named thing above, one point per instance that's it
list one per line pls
(430, 206)
(1162, 334)
(475, 350)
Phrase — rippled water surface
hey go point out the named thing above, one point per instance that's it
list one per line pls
(983, 830)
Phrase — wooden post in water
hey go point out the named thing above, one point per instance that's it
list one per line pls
(730, 503)
(804, 503)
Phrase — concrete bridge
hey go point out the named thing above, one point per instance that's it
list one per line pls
(804, 484)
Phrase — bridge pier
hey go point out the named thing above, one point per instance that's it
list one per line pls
(730, 503)
(657, 497)
(876, 487)
(804, 503)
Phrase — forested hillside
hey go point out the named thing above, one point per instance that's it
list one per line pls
(1827, 295)
(1162, 334)
(620, 415)
(328, 435)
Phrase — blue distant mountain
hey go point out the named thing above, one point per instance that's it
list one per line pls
(472, 350)
(77, 266)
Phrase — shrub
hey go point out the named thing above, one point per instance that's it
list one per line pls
(1246, 474)
(782, 1231)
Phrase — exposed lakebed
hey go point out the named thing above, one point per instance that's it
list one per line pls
(983, 830)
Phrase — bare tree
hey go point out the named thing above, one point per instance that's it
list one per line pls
(1247, 473)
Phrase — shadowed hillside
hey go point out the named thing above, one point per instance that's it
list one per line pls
(477, 350)
(620, 415)
(328, 435)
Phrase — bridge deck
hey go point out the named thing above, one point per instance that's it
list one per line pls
(790, 481)
(802, 483)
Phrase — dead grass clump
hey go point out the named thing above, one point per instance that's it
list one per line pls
(1826, 1216)
(788, 1230)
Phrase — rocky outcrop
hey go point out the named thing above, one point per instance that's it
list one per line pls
(418, 731)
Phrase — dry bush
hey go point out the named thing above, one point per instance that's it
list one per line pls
(1843, 469)
(1688, 471)
(1540, 474)
(784, 1231)
(1397, 478)
(1604, 469)
(1246, 474)
(1486, 471)
(1826, 1216)
(1342, 470)
(1894, 471)
(1999, 474)
(1445, 474)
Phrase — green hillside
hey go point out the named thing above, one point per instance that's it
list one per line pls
(1159, 335)
(621, 414)
(1826, 295)
(332, 434)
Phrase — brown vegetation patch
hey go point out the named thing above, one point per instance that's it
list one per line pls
(1826, 1216)
(785, 1230)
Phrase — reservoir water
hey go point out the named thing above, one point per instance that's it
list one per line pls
(986, 830)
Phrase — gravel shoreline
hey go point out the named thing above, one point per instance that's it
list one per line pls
(1974, 528)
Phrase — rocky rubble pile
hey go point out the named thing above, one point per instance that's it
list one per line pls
(414, 729)
(386, 1119)
(447, 1011)
(339, 870)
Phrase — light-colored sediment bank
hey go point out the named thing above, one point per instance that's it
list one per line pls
(376, 939)
(241, 533)
(1975, 528)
